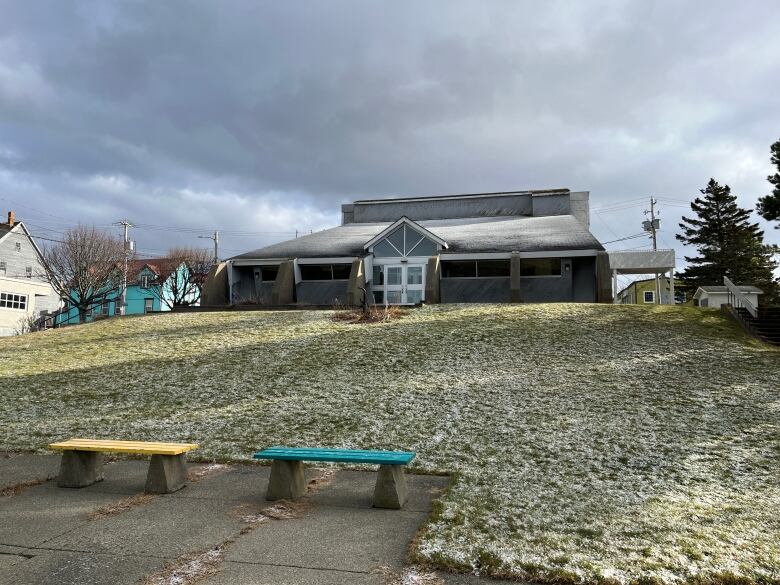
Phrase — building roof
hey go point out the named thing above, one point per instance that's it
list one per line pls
(463, 235)
(137, 265)
(724, 290)
(640, 281)
(641, 261)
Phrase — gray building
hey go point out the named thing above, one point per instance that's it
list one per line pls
(522, 246)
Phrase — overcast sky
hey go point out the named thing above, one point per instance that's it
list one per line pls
(264, 117)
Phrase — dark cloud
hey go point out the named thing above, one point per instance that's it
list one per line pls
(264, 116)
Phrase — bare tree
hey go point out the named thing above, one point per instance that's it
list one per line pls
(27, 324)
(85, 267)
(181, 276)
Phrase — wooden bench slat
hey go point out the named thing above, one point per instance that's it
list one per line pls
(137, 447)
(336, 455)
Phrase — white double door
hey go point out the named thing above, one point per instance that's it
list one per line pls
(404, 284)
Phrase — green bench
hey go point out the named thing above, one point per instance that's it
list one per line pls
(287, 481)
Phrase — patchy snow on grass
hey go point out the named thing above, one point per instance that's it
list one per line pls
(588, 443)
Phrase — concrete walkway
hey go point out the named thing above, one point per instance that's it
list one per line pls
(218, 527)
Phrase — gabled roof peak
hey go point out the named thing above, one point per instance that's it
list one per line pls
(404, 221)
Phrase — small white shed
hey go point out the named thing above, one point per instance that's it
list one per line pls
(715, 296)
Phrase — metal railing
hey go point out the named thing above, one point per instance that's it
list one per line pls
(738, 299)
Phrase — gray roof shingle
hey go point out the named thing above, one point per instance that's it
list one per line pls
(463, 235)
(723, 289)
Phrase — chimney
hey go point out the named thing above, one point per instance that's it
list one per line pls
(11, 219)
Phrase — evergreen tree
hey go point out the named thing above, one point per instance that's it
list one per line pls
(769, 207)
(727, 242)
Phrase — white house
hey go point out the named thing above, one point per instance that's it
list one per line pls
(715, 296)
(24, 288)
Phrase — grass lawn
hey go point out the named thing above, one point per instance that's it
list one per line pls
(589, 442)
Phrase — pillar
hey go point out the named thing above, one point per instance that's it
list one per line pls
(515, 295)
(80, 468)
(167, 473)
(433, 281)
(283, 290)
(390, 490)
(287, 481)
(357, 283)
(614, 287)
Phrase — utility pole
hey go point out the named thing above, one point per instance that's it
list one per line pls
(215, 238)
(128, 249)
(652, 226)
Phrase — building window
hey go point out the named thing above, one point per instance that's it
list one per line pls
(2, 268)
(405, 241)
(379, 276)
(325, 271)
(13, 301)
(144, 281)
(540, 267)
(475, 269)
(269, 273)
(18, 246)
(493, 268)
(649, 296)
(28, 272)
(148, 305)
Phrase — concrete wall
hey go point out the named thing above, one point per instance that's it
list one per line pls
(475, 290)
(243, 284)
(519, 204)
(547, 289)
(433, 281)
(603, 278)
(215, 289)
(322, 292)
(578, 284)
(551, 205)
(264, 292)
(356, 283)
(283, 288)
(580, 206)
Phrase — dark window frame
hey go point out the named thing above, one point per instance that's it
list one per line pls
(526, 261)
(505, 262)
(14, 301)
(268, 269)
(332, 268)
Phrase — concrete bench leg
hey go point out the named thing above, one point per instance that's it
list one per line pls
(390, 491)
(80, 469)
(287, 481)
(167, 473)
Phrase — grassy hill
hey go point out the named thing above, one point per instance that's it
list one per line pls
(589, 442)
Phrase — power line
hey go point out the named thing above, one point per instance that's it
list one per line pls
(640, 235)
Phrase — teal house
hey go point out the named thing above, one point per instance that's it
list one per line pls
(150, 288)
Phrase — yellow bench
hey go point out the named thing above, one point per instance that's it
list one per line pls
(82, 462)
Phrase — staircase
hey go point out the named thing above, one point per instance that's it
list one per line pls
(765, 325)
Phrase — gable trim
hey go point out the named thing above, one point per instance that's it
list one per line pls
(398, 223)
